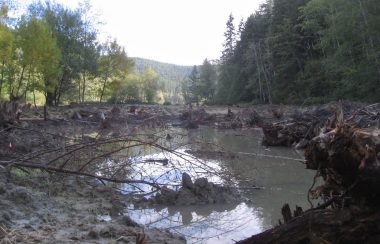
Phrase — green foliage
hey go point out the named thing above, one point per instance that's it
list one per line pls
(40, 54)
(230, 40)
(113, 65)
(6, 51)
(303, 50)
(289, 51)
(207, 81)
(165, 71)
(171, 78)
(125, 88)
(54, 51)
(227, 75)
(200, 84)
(191, 87)
(149, 80)
(6, 6)
(67, 27)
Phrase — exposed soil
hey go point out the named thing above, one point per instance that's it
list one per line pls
(43, 208)
(61, 208)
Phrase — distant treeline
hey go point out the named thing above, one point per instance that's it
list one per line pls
(164, 70)
(298, 51)
(170, 78)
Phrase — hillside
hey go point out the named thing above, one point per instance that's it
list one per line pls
(171, 78)
(165, 71)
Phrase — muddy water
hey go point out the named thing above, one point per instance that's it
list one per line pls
(267, 181)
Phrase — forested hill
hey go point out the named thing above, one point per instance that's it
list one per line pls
(164, 70)
(299, 51)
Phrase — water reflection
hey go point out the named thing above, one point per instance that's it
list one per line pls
(217, 224)
(284, 181)
(170, 174)
(281, 181)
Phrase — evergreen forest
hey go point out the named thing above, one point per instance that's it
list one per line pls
(288, 51)
(296, 52)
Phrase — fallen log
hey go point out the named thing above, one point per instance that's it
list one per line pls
(301, 127)
(347, 158)
(324, 226)
(9, 113)
(347, 155)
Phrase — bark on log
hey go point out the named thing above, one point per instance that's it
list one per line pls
(348, 160)
(9, 113)
(346, 156)
(323, 226)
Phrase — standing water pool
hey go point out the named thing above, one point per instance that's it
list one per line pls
(266, 177)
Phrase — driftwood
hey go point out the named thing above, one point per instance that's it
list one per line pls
(301, 127)
(9, 113)
(323, 226)
(287, 134)
(297, 130)
(347, 158)
(245, 118)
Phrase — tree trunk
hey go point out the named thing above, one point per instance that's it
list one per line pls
(79, 89)
(34, 99)
(58, 95)
(28, 84)
(267, 81)
(2, 78)
(83, 86)
(259, 73)
(49, 98)
(45, 112)
(104, 87)
(20, 80)
(58, 91)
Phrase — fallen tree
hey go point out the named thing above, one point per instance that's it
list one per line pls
(347, 158)
(106, 157)
(302, 126)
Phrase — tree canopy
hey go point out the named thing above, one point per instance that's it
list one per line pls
(288, 51)
(302, 51)
(51, 54)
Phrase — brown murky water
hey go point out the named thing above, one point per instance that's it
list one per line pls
(267, 181)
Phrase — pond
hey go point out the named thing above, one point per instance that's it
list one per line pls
(266, 177)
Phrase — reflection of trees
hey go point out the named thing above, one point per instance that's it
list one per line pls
(148, 161)
(199, 223)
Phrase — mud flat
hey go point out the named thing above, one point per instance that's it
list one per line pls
(43, 208)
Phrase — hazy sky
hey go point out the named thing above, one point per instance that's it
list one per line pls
(174, 31)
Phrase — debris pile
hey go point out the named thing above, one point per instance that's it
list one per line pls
(347, 158)
(10, 112)
(304, 125)
(195, 193)
(247, 117)
(192, 118)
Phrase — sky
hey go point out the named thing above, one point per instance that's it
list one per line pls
(183, 32)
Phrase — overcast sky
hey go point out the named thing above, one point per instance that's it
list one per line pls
(175, 31)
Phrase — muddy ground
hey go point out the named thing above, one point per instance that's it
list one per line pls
(41, 207)
(78, 123)
(44, 208)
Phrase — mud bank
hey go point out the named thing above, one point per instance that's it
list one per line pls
(47, 208)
